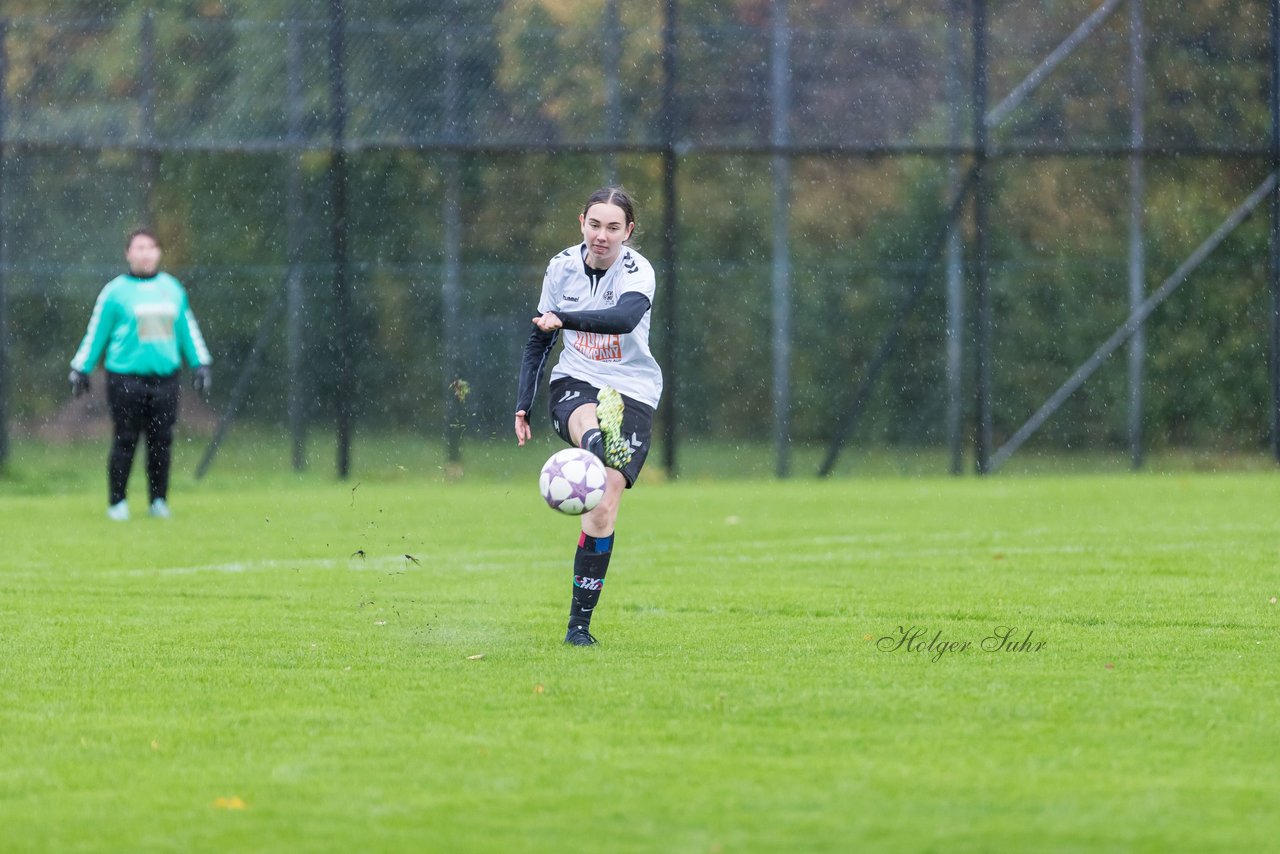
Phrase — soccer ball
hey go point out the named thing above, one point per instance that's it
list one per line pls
(572, 481)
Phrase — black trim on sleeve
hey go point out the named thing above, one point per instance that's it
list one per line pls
(536, 350)
(619, 320)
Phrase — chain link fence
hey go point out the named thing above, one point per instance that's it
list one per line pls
(467, 135)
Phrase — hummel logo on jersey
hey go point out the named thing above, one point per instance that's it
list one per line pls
(629, 264)
(634, 442)
(570, 395)
(568, 298)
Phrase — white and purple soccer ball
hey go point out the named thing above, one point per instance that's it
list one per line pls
(572, 481)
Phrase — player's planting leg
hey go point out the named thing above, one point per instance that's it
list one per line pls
(589, 567)
(120, 461)
(160, 422)
(126, 419)
(609, 409)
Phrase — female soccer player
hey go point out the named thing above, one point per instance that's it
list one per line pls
(606, 385)
(143, 325)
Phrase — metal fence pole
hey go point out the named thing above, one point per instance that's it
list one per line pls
(1274, 249)
(339, 226)
(296, 307)
(670, 291)
(781, 103)
(955, 256)
(451, 282)
(149, 158)
(4, 256)
(612, 47)
(982, 295)
(1137, 247)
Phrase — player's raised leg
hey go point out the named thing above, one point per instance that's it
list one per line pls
(609, 411)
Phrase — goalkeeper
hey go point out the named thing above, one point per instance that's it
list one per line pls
(144, 328)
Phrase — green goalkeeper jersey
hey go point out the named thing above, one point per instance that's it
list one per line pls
(144, 326)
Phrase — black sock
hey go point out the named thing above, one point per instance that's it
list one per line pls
(589, 566)
(593, 441)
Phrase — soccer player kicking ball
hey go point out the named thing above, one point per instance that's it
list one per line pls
(606, 385)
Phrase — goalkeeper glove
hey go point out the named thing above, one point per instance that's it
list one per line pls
(79, 383)
(202, 382)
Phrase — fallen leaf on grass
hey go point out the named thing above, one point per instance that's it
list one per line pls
(538, 689)
(1110, 666)
(475, 657)
(231, 803)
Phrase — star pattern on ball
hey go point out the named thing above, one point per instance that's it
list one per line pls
(580, 489)
(554, 468)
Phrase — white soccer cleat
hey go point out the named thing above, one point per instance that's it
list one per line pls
(118, 512)
(160, 509)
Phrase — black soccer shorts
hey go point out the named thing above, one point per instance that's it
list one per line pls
(567, 394)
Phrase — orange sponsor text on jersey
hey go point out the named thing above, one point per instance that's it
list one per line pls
(598, 346)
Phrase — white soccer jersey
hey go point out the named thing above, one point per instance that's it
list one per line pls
(622, 361)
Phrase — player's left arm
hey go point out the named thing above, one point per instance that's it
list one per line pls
(190, 340)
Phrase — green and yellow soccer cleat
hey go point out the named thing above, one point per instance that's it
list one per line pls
(617, 450)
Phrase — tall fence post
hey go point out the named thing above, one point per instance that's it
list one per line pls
(955, 255)
(612, 47)
(982, 295)
(1137, 246)
(1274, 254)
(295, 302)
(451, 282)
(780, 138)
(4, 254)
(670, 244)
(339, 226)
(148, 159)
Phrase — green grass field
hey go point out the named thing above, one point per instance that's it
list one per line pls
(235, 679)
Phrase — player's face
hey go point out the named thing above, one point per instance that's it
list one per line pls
(604, 228)
(143, 256)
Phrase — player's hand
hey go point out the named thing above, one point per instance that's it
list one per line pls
(523, 433)
(548, 322)
(79, 383)
(202, 382)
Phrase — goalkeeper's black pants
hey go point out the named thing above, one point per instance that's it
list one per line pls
(141, 406)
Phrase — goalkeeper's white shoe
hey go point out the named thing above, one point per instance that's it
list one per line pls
(609, 406)
(118, 512)
(160, 509)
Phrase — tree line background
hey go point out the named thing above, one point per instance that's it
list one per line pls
(514, 91)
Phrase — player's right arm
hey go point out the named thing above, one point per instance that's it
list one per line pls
(618, 320)
(536, 350)
(97, 334)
